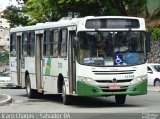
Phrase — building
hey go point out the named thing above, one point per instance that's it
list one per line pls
(4, 33)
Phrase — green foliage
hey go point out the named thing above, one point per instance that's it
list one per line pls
(49, 10)
(53, 10)
(25, 1)
(4, 57)
(15, 18)
(135, 7)
(42, 10)
(155, 33)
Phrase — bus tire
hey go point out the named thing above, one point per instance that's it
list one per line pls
(66, 98)
(31, 93)
(120, 99)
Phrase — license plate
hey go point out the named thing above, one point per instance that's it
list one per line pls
(114, 87)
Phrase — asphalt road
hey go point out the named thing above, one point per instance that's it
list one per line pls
(85, 106)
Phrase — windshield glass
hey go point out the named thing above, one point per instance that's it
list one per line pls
(157, 68)
(111, 48)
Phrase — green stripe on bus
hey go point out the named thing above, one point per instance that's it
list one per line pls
(84, 89)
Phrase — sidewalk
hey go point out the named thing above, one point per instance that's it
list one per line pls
(4, 99)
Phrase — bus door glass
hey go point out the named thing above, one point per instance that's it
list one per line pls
(18, 56)
(38, 58)
(72, 62)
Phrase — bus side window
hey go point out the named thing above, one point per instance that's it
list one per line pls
(51, 43)
(31, 48)
(55, 42)
(46, 43)
(63, 43)
(24, 44)
(13, 45)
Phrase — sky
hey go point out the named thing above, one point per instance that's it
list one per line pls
(5, 3)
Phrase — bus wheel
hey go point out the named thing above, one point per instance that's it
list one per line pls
(120, 99)
(66, 98)
(31, 93)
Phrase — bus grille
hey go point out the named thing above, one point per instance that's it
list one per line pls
(113, 72)
(110, 81)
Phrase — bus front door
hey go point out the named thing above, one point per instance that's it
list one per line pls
(38, 58)
(18, 57)
(72, 63)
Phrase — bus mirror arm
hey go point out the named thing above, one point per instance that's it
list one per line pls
(148, 48)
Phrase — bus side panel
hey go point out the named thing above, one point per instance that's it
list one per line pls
(52, 68)
(23, 78)
(33, 81)
(23, 71)
(14, 78)
(67, 85)
(50, 84)
(13, 70)
(30, 67)
(50, 74)
(63, 69)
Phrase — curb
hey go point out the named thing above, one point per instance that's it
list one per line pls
(8, 100)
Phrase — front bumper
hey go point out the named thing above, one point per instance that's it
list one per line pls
(84, 89)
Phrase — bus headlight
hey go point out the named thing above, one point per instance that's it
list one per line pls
(87, 80)
(141, 78)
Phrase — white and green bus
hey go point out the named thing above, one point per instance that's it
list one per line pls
(90, 56)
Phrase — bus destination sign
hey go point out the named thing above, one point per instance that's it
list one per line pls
(112, 23)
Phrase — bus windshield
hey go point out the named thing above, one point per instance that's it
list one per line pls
(110, 48)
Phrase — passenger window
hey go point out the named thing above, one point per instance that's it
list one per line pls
(24, 44)
(13, 45)
(46, 43)
(55, 42)
(31, 44)
(28, 44)
(63, 43)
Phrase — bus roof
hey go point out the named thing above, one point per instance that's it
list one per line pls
(73, 22)
(46, 25)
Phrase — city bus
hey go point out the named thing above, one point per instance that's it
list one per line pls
(89, 56)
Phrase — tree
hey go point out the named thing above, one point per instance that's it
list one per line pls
(49, 10)
(53, 10)
(11, 13)
(124, 7)
(41, 10)
(136, 7)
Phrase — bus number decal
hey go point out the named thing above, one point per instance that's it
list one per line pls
(129, 76)
(59, 65)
